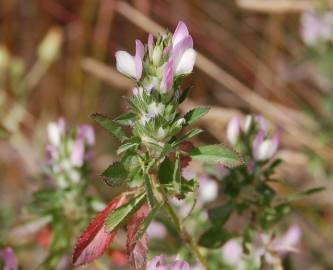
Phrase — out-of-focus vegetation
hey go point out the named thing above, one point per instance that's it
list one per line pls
(268, 57)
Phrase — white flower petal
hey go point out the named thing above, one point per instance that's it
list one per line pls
(53, 133)
(186, 63)
(126, 64)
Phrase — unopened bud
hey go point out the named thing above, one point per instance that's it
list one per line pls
(157, 54)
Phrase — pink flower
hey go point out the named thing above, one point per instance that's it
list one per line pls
(9, 259)
(86, 132)
(263, 149)
(129, 65)
(183, 55)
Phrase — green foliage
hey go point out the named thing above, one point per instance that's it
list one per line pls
(215, 237)
(195, 114)
(110, 126)
(216, 153)
(115, 174)
(218, 216)
(121, 214)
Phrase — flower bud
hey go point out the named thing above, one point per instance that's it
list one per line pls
(150, 45)
(233, 130)
(265, 149)
(157, 54)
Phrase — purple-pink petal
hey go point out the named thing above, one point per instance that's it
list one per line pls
(86, 132)
(150, 45)
(180, 33)
(167, 80)
(139, 53)
(77, 157)
(139, 49)
(180, 49)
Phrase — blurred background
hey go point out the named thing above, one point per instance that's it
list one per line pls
(266, 57)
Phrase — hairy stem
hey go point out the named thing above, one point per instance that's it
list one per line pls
(186, 236)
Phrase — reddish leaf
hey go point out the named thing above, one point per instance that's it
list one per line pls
(137, 248)
(95, 240)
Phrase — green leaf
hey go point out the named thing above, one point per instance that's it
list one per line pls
(303, 194)
(126, 119)
(216, 153)
(215, 237)
(131, 143)
(184, 94)
(115, 174)
(120, 215)
(149, 191)
(166, 171)
(193, 115)
(176, 176)
(190, 134)
(110, 126)
(219, 215)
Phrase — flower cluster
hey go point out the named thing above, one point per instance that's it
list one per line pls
(316, 27)
(61, 206)
(68, 151)
(266, 249)
(153, 150)
(157, 69)
(262, 145)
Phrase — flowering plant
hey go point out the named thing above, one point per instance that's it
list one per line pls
(153, 153)
(60, 209)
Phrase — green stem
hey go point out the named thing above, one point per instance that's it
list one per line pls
(186, 236)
